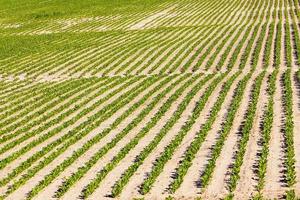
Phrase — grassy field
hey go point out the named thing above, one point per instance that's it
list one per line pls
(149, 99)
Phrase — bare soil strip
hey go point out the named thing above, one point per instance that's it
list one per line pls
(141, 24)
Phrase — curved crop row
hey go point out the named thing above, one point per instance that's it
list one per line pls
(30, 114)
(21, 168)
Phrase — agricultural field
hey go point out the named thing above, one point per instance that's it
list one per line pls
(149, 99)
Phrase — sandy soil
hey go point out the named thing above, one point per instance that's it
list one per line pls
(137, 150)
(296, 114)
(273, 185)
(164, 178)
(191, 179)
(246, 186)
(53, 187)
(110, 56)
(56, 107)
(217, 187)
(141, 24)
(116, 173)
(248, 182)
(65, 131)
(66, 154)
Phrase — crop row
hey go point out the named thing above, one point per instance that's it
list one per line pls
(80, 131)
(226, 128)
(93, 141)
(171, 147)
(194, 147)
(212, 37)
(54, 121)
(289, 129)
(65, 124)
(245, 133)
(266, 131)
(90, 188)
(25, 164)
(289, 161)
(30, 114)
